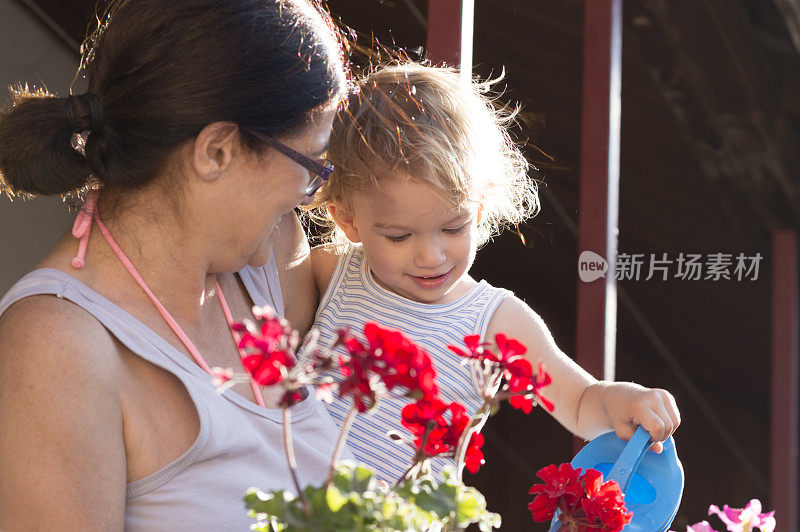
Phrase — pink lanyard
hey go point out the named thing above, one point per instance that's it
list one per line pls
(81, 229)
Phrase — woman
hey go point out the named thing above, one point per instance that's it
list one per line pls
(201, 125)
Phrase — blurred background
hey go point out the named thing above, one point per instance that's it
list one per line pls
(710, 163)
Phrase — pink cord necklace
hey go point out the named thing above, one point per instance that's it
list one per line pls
(81, 230)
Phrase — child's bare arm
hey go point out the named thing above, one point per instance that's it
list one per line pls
(583, 405)
(291, 249)
(323, 263)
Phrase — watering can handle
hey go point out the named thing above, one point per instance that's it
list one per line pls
(629, 458)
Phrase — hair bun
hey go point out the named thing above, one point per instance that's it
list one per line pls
(36, 153)
(83, 120)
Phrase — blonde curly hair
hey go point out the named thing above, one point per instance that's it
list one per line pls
(427, 123)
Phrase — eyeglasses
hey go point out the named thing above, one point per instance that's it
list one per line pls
(321, 168)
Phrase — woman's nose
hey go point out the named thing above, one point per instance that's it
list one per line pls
(430, 255)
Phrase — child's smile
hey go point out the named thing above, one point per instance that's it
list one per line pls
(417, 244)
(431, 281)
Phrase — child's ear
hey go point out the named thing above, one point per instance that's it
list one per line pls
(479, 216)
(344, 220)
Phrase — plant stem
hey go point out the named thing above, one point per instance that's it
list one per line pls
(419, 457)
(287, 444)
(494, 382)
(405, 475)
(337, 451)
(482, 415)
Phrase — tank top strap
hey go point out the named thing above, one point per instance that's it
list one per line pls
(139, 338)
(134, 334)
(491, 297)
(263, 285)
(347, 265)
(239, 445)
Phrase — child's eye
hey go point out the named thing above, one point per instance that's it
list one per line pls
(399, 238)
(456, 230)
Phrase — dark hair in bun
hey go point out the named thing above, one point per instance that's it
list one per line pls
(163, 70)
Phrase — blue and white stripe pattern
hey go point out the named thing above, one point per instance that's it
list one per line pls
(353, 298)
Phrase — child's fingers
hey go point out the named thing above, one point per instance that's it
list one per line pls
(669, 425)
(668, 411)
(672, 408)
(655, 424)
(625, 430)
(652, 423)
(657, 447)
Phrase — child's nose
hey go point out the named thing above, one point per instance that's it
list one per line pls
(430, 255)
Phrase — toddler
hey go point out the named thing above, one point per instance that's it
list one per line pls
(425, 173)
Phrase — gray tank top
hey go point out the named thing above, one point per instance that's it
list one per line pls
(239, 444)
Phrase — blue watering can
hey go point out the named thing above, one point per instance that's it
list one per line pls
(652, 483)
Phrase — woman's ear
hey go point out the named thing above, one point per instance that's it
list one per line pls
(344, 220)
(214, 149)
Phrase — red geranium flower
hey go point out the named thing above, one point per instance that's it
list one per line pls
(389, 357)
(509, 348)
(357, 383)
(519, 376)
(585, 502)
(474, 346)
(561, 487)
(604, 502)
(269, 350)
(521, 386)
(474, 457)
(427, 420)
(291, 398)
(427, 416)
(269, 367)
(400, 361)
(417, 416)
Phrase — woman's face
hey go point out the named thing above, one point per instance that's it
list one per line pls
(267, 187)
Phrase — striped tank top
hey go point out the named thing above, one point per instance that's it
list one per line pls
(353, 298)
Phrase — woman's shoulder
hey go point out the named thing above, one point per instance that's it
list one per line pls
(60, 415)
(43, 331)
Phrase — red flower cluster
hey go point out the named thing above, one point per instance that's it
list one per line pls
(270, 350)
(388, 356)
(435, 435)
(521, 386)
(585, 502)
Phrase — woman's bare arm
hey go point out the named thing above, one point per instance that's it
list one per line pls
(62, 452)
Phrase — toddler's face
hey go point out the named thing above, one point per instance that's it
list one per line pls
(416, 243)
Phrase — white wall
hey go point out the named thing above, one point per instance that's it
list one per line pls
(29, 52)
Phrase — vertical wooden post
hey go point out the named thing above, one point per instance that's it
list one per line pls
(599, 183)
(785, 355)
(450, 33)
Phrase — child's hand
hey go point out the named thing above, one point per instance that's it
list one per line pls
(629, 405)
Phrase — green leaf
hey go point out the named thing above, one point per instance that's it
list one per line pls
(362, 479)
(442, 503)
(335, 499)
(267, 503)
(354, 503)
(469, 508)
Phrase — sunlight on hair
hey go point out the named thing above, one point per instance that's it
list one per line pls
(425, 122)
